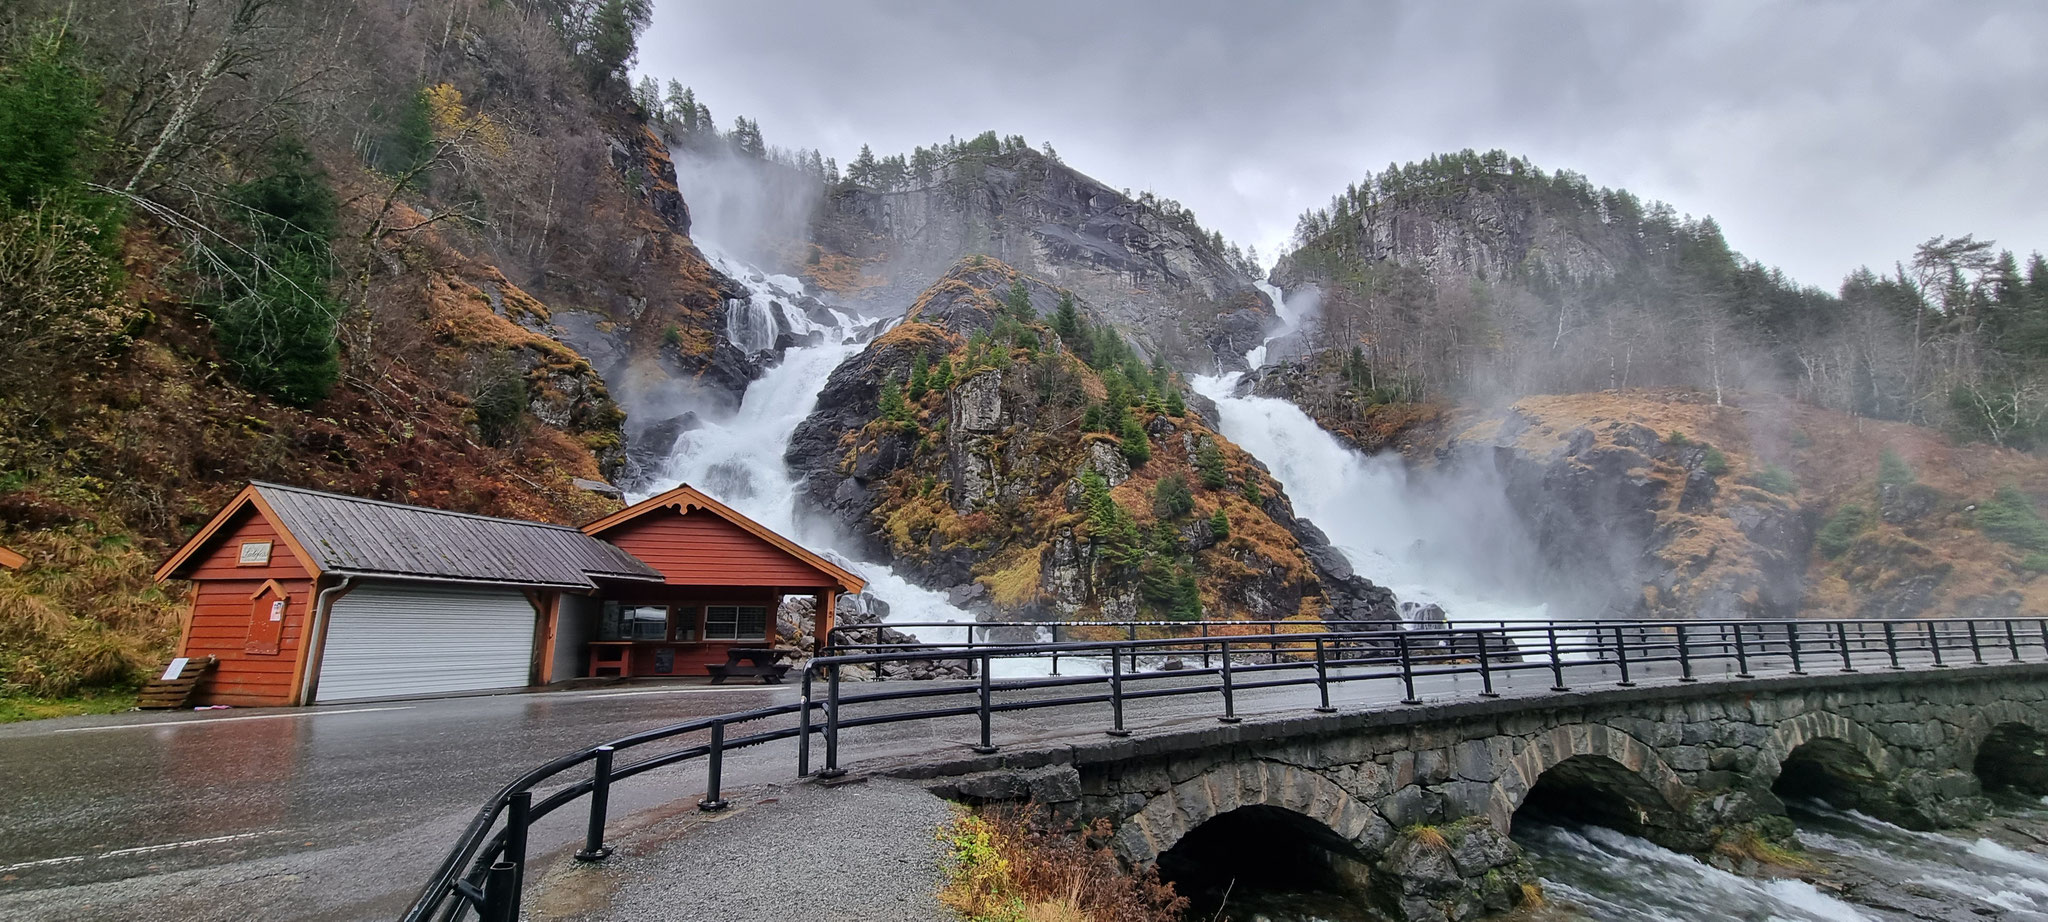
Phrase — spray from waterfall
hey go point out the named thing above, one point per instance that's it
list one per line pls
(737, 456)
(1445, 538)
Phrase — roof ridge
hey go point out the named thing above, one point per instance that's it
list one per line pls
(264, 484)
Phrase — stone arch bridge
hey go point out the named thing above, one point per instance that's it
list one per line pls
(1410, 808)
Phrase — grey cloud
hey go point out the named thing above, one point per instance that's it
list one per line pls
(1821, 135)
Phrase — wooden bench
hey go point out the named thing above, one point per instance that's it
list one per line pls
(753, 661)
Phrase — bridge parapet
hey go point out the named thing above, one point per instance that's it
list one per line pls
(1418, 801)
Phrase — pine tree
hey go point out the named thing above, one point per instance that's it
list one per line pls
(1209, 464)
(1171, 498)
(276, 320)
(647, 94)
(1251, 492)
(890, 402)
(1019, 301)
(1220, 524)
(1066, 323)
(920, 376)
(861, 172)
(1175, 406)
(1091, 418)
(1137, 448)
(614, 30)
(942, 376)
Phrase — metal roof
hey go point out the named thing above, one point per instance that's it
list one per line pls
(351, 535)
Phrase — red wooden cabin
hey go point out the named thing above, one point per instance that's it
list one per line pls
(724, 576)
(311, 597)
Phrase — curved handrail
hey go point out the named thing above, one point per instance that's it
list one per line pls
(484, 871)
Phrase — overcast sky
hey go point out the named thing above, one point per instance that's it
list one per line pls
(1822, 136)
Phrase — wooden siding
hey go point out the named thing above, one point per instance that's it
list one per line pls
(221, 610)
(704, 549)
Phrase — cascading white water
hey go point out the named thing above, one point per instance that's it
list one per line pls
(1451, 543)
(738, 459)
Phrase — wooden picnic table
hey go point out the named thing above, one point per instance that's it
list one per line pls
(754, 661)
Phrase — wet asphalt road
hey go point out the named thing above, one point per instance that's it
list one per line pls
(341, 813)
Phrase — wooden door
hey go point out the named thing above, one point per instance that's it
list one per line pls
(267, 609)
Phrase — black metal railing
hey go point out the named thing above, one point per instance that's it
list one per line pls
(485, 871)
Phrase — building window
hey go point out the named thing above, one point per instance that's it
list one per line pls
(735, 622)
(634, 622)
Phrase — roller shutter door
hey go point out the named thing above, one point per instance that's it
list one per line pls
(397, 640)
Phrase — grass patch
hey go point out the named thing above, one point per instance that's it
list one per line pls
(97, 701)
(2011, 517)
(1773, 479)
(1841, 530)
(1005, 868)
(1749, 845)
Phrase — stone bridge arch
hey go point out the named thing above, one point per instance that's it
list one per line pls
(1168, 817)
(1650, 798)
(1793, 732)
(2005, 746)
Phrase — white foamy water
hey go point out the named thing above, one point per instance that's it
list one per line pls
(1977, 871)
(1452, 542)
(738, 459)
(1607, 876)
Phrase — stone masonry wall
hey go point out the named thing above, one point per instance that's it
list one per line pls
(1429, 793)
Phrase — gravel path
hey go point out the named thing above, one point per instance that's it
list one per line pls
(786, 853)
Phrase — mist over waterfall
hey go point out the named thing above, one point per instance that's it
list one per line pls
(1446, 538)
(737, 456)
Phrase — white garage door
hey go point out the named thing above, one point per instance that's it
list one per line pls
(395, 640)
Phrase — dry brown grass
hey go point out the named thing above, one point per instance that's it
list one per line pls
(1007, 868)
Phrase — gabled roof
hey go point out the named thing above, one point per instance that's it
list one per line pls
(685, 498)
(332, 533)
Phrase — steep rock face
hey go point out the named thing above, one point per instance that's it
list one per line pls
(986, 479)
(1488, 230)
(1646, 524)
(1669, 506)
(650, 312)
(1351, 410)
(1159, 279)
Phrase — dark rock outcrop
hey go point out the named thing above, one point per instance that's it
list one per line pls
(1156, 275)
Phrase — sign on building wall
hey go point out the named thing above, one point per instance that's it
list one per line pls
(254, 553)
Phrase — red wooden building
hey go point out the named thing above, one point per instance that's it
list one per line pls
(308, 597)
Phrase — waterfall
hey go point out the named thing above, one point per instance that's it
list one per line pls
(738, 459)
(1443, 539)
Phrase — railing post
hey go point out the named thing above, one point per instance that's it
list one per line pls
(986, 746)
(501, 893)
(1891, 644)
(1741, 656)
(1934, 644)
(2012, 640)
(1229, 692)
(1116, 693)
(1322, 680)
(1976, 649)
(803, 723)
(1486, 665)
(832, 769)
(1131, 632)
(1621, 656)
(594, 848)
(2042, 624)
(1792, 646)
(1205, 643)
(714, 772)
(518, 817)
(1556, 664)
(1056, 653)
(1684, 657)
(1407, 670)
(1842, 639)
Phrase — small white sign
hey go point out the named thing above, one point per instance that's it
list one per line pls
(255, 552)
(277, 610)
(177, 668)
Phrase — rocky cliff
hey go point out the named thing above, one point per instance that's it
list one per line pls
(1158, 277)
(959, 446)
(1670, 506)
